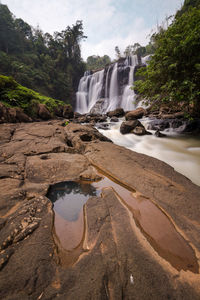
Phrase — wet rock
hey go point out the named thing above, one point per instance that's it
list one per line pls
(135, 114)
(158, 124)
(139, 130)
(119, 112)
(98, 107)
(176, 115)
(159, 134)
(128, 126)
(114, 119)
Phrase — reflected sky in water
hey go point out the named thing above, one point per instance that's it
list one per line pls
(69, 197)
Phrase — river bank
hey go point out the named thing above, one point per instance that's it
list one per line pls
(117, 257)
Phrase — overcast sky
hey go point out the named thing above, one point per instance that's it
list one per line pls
(107, 23)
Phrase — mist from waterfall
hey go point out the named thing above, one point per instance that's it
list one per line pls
(100, 92)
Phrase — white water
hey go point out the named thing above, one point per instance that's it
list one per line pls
(181, 152)
(89, 91)
(128, 98)
(91, 88)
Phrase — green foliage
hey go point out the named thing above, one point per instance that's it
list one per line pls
(15, 95)
(52, 65)
(96, 62)
(173, 74)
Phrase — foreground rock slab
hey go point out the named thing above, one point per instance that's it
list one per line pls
(115, 259)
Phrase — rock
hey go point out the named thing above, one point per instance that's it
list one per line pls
(158, 124)
(116, 259)
(176, 115)
(128, 126)
(139, 130)
(68, 112)
(135, 114)
(98, 107)
(114, 119)
(159, 134)
(90, 175)
(118, 112)
(43, 112)
(12, 115)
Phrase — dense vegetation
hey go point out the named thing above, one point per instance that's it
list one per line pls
(173, 74)
(52, 65)
(95, 62)
(13, 94)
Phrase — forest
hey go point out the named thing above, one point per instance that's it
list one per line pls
(172, 76)
(50, 64)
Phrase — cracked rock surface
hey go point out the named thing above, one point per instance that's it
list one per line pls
(116, 260)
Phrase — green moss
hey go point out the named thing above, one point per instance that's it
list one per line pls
(13, 94)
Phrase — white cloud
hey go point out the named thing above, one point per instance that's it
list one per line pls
(107, 23)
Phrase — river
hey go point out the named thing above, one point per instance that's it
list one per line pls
(182, 152)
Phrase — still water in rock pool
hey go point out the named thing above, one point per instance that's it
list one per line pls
(69, 199)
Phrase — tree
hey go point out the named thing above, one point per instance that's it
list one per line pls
(173, 73)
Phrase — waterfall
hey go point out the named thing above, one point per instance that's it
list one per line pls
(89, 91)
(128, 97)
(108, 89)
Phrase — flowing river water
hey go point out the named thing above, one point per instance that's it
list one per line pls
(182, 152)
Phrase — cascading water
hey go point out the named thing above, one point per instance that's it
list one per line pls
(128, 97)
(107, 89)
(89, 91)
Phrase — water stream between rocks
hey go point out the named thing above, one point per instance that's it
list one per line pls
(182, 152)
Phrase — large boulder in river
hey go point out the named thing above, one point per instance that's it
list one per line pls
(133, 126)
(118, 112)
(135, 114)
(128, 126)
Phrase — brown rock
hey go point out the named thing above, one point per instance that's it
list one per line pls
(43, 112)
(135, 114)
(139, 130)
(128, 126)
(68, 112)
(119, 112)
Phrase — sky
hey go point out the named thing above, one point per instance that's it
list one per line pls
(107, 23)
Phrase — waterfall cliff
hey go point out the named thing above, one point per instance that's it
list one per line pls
(108, 89)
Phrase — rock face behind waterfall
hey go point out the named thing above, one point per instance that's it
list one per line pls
(108, 89)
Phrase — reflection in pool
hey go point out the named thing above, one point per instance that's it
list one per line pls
(69, 197)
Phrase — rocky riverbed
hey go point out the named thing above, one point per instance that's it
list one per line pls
(118, 257)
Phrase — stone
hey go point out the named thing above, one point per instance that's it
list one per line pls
(139, 130)
(159, 134)
(135, 114)
(43, 112)
(128, 126)
(116, 260)
(114, 119)
(68, 112)
(118, 112)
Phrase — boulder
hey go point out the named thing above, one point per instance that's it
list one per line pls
(3, 113)
(43, 112)
(135, 114)
(159, 134)
(118, 112)
(139, 130)
(68, 112)
(128, 126)
(12, 115)
(114, 119)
